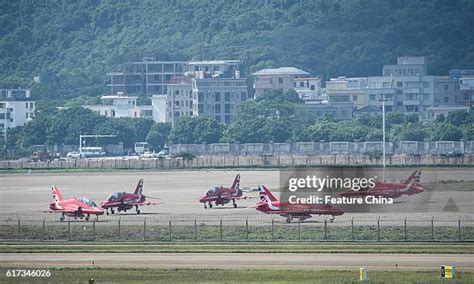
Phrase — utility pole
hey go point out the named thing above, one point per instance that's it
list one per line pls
(383, 100)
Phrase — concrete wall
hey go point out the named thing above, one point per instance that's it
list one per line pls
(318, 148)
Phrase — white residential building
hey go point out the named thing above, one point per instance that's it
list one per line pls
(121, 106)
(16, 108)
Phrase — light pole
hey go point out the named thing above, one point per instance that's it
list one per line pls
(383, 100)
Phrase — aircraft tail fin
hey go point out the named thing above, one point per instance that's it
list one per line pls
(265, 194)
(139, 188)
(415, 176)
(236, 183)
(57, 197)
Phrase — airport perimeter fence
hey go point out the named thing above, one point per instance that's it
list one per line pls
(139, 228)
(236, 161)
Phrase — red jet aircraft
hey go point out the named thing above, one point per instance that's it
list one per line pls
(270, 205)
(77, 208)
(410, 186)
(223, 195)
(124, 201)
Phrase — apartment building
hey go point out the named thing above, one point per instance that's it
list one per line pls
(179, 101)
(16, 108)
(406, 86)
(148, 76)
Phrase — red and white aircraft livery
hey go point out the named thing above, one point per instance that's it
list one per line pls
(124, 201)
(223, 195)
(410, 186)
(270, 205)
(75, 207)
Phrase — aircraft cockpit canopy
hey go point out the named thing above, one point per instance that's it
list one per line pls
(211, 190)
(87, 202)
(115, 196)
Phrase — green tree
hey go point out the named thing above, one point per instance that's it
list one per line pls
(189, 130)
(158, 136)
(446, 132)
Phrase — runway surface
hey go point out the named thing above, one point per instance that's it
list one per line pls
(340, 261)
(178, 192)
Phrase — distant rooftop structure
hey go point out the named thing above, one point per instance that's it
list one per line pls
(410, 60)
(281, 71)
(213, 62)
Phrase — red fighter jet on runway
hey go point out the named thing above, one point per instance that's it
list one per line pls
(410, 186)
(223, 195)
(270, 205)
(77, 208)
(124, 201)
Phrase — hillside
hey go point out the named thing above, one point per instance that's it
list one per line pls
(72, 44)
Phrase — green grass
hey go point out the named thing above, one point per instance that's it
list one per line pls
(241, 247)
(83, 231)
(116, 275)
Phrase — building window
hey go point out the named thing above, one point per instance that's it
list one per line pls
(227, 119)
(2, 105)
(243, 96)
(218, 118)
(312, 88)
(200, 97)
(446, 87)
(26, 105)
(372, 97)
(280, 80)
(217, 108)
(31, 105)
(217, 97)
(2, 116)
(426, 84)
(301, 84)
(399, 84)
(354, 98)
(227, 97)
(399, 92)
(446, 99)
(227, 108)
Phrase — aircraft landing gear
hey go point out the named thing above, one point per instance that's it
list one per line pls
(233, 202)
(332, 219)
(205, 206)
(210, 205)
(288, 219)
(112, 211)
(137, 209)
(87, 217)
(61, 219)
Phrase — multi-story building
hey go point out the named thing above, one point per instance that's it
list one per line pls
(279, 79)
(16, 108)
(121, 106)
(347, 90)
(308, 89)
(148, 76)
(405, 85)
(465, 80)
(219, 97)
(407, 66)
(212, 88)
(179, 101)
(338, 111)
(466, 89)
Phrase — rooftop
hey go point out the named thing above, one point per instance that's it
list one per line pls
(282, 71)
(214, 62)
